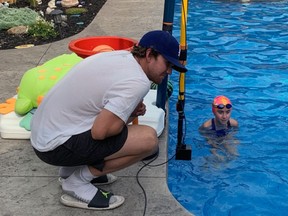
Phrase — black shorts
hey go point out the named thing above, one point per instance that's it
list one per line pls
(82, 149)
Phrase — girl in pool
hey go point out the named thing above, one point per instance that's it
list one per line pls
(216, 130)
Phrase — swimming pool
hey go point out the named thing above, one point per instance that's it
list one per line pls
(239, 50)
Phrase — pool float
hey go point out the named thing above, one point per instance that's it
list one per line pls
(37, 81)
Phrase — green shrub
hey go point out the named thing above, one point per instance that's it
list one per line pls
(11, 17)
(42, 29)
(71, 11)
(33, 3)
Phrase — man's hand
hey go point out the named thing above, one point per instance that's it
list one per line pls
(140, 110)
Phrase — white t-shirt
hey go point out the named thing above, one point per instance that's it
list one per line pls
(112, 80)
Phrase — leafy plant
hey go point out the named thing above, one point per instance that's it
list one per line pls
(33, 3)
(42, 29)
(11, 17)
(72, 11)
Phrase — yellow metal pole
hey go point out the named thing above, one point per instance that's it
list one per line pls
(183, 151)
(183, 47)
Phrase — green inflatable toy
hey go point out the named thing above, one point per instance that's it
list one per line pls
(37, 81)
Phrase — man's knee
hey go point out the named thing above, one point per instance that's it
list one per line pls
(151, 140)
(145, 138)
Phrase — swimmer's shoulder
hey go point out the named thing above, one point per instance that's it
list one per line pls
(234, 123)
(206, 125)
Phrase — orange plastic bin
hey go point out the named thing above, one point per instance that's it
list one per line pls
(85, 47)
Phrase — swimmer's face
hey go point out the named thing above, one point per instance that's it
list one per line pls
(222, 115)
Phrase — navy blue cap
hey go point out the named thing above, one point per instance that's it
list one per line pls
(164, 43)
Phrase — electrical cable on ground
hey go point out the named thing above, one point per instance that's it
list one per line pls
(137, 177)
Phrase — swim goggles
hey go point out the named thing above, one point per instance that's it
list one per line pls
(221, 106)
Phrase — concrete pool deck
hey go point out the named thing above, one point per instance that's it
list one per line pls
(29, 186)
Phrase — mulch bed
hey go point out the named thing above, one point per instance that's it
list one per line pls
(73, 27)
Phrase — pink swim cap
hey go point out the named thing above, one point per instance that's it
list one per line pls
(220, 100)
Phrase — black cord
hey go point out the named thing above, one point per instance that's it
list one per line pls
(137, 177)
(155, 165)
(44, 54)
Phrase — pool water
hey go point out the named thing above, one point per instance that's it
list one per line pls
(239, 50)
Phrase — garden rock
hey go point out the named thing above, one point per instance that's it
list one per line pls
(69, 3)
(18, 30)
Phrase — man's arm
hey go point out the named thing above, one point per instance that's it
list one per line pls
(106, 124)
(140, 110)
